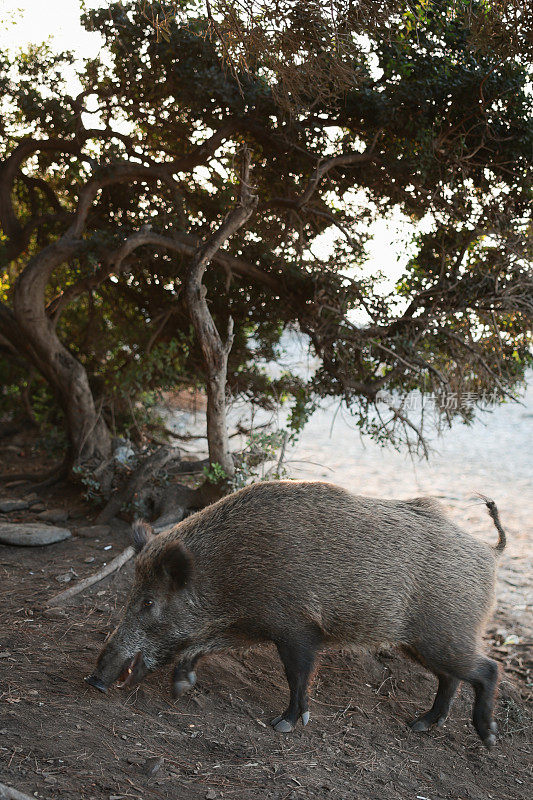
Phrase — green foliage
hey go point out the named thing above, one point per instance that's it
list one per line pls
(214, 473)
(449, 121)
(260, 447)
(92, 489)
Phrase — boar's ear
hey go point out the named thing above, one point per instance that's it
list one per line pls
(141, 533)
(177, 562)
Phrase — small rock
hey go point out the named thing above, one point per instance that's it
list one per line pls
(31, 534)
(40, 506)
(3, 732)
(54, 613)
(65, 578)
(13, 505)
(93, 531)
(124, 452)
(54, 515)
(152, 765)
(210, 794)
(88, 560)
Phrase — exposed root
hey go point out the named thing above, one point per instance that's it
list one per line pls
(41, 479)
(179, 501)
(142, 476)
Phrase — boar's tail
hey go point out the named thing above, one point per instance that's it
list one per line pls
(493, 511)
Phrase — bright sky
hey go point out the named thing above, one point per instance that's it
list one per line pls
(24, 22)
(36, 21)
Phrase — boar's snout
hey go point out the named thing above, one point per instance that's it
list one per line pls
(116, 664)
(94, 680)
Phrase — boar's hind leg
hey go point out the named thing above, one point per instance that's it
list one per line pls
(481, 672)
(439, 711)
(484, 679)
(298, 658)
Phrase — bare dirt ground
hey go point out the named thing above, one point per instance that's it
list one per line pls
(60, 738)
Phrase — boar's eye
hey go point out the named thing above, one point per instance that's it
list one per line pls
(148, 603)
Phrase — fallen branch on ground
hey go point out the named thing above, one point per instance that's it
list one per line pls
(113, 566)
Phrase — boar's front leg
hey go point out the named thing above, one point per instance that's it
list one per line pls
(298, 657)
(184, 676)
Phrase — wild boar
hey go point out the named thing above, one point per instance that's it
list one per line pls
(307, 565)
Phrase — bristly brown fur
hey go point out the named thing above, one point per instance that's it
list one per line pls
(306, 565)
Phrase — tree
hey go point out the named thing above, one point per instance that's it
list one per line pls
(113, 207)
(312, 47)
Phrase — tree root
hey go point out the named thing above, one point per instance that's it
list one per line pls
(144, 473)
(179, 501)
(42, 479)
(113, 566)
(191, 467)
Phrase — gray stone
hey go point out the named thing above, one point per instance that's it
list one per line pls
(54, 515)
(152, 765)
(122, 451)
(31, 534)
(54, 613)
(93, 531)
(13, 505)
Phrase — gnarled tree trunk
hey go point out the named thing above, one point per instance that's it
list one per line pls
(89, 437)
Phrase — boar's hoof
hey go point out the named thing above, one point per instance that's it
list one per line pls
(489, 741)
(184, 684)
(181, 687)
(493, 727)
(305, 717)
(92, 680)
(282, 725)
(421, 725)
